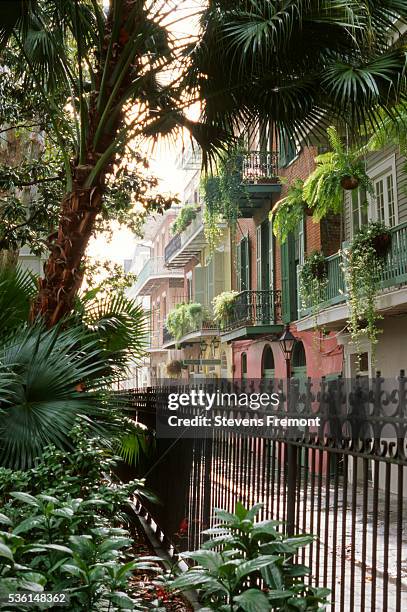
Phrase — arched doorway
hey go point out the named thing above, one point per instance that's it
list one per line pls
(299, 361)
(267, 363)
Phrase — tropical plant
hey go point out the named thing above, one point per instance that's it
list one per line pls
(51, 379)
(185, 217)
(92, 63)
(300, 64)
(183, 318)
(223, 306)
(288, 212)
(238, 553)
(366, 258)
(324, 188)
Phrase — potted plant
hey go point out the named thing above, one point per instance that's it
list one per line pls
(182, 319)
(313, 280)
(185, 217)
(174, 368)
(365, 264)
(223, 306)
(288, 212)
(336, 171)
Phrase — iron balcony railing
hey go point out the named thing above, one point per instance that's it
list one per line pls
(252, 308)
(260, 167)
(394, 271)
(180, 240)
(154, 267)
(205, 323)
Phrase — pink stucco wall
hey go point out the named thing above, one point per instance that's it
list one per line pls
(323, 357)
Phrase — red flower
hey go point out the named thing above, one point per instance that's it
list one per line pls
(183, 528)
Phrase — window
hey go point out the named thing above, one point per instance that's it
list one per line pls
(288, 150)
(359, 209)
(299, 361)
(383, 206)
(189, 287)
(244, 365)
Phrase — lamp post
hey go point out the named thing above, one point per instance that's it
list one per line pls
(287, 342)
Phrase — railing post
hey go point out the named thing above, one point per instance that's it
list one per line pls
(291, 486)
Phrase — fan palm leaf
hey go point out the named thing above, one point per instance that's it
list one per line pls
(40, 401)
(17, 288)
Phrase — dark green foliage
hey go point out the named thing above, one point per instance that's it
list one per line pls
(240, 551)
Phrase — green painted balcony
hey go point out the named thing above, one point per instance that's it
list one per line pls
(394, 275)
(253, 314)
(259, 178)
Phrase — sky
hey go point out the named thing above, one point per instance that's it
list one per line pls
(163, 160)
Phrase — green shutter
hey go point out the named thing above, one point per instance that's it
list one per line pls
(199, 285)
(271, 256)
(258, 259)
(246, 264)
(239, 266)
(210, 278)
(219, 273)
(289, 280)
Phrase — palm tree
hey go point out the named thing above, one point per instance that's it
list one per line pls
(302, 64)
(115, 68)
(297, 63)
(52, 380)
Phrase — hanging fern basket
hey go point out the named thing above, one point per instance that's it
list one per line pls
(174, 368)
(381, 244)
(350, 182)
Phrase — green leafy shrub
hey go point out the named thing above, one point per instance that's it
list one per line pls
(63, 529)
(240, 552)
(184, 318)
(185, 216)
(323, 190)
(223, 306)
(363, 269)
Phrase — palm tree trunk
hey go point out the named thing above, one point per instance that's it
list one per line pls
(63, 272)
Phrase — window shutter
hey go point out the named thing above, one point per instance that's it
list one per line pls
(239, 266)
(271, 256)
(210, 280)
(199, 285)
(245, 264)
(258, 259)
(219, 259)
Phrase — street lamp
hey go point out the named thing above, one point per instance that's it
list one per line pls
(287, 342)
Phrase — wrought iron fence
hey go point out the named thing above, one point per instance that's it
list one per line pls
(350, 491)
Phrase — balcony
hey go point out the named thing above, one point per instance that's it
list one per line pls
(259, 178)
(186, 245)
(253, 314)
(152, 275)
(205, 328)
(393, 297)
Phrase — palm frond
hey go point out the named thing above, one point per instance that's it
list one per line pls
(17, 288)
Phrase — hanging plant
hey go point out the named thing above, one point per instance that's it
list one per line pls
(288, 212)
(221, 193)
(174, 368)
(185, 217)
(182, 319)
(313, 282)
(223, 306)
(336, 170)
(366, 259)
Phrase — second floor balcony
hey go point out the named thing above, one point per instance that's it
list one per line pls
(333, 309)
(259, 179)
(186, 245)
(203, 327)
(153, 274)
(252, 314)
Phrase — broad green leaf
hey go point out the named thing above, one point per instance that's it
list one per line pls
(207, 558)
(253, 600)
(5, 519)
(28, 524)
(26, 498)
(6, 552)
(253, 565)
